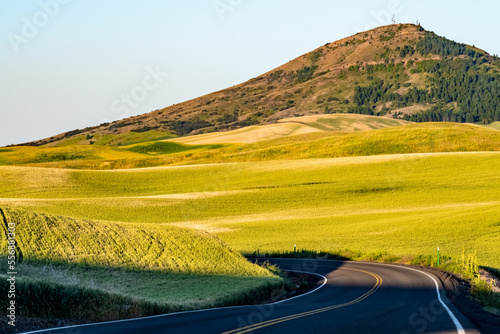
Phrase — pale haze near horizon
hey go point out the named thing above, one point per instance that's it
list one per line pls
(72, 64)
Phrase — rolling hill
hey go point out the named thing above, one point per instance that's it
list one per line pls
(318, 136)
(65, 240)
(292, 126)
(80, 268)
(400, 71)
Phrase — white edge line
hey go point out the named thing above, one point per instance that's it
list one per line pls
(457, 323)
(304, 294)
(186, 312)
(459, 327)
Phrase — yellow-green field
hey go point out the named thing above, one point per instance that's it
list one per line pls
(495, 125)
(401, 204)
(322, 140)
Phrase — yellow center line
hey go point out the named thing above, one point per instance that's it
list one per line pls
(253, 327)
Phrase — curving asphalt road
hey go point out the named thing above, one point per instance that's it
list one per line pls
(351, 297)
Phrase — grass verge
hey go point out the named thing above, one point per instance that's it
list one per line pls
(91, 294)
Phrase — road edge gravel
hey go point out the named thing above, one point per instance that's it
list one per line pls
(458, 292)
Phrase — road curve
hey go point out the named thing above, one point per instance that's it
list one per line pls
(352, 297)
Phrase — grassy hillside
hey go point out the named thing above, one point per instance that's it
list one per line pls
(346, 122)
(405, 205)
(416, 138)
(322, 141)
(293, 126)
(495, 125)
(128, 156)
(167, 248)
(147, 268)
(250, 134)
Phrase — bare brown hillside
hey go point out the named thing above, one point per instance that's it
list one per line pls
(321, 81)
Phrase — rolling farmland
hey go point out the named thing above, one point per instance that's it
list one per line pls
(401, 204)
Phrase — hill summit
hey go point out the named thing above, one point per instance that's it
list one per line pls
(396, 71)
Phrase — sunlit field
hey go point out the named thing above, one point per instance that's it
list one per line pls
(400, 204)
(319, 138)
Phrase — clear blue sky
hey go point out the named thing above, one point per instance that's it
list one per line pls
(67, 64)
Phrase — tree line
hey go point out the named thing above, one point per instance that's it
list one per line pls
(461, 89)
